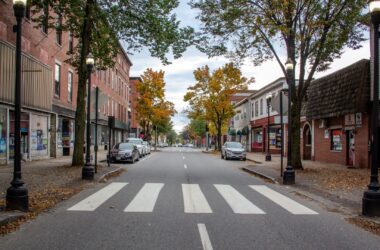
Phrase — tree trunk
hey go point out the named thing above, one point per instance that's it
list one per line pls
(220, 137)
(296, 134)
(80, 114)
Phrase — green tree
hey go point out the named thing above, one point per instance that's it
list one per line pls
(209, 97)
(98, 25)
(311, 33)
(171, 137)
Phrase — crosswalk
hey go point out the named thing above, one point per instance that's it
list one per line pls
(194, 200)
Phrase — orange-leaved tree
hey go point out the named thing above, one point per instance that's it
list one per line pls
(210, 97)
(152, 107)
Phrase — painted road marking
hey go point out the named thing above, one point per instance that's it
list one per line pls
(145, 199)
(94, 201)
(283, 201)
(183, 157)
(185, 166)
(205, 239)
(193, 199)
(238, 203)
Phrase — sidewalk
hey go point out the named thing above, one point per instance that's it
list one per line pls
(337, 183)
(48, 182)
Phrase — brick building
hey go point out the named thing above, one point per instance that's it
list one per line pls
(49, 89)
(335, 128)
(135, 127)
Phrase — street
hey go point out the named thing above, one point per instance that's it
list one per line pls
(181, 198)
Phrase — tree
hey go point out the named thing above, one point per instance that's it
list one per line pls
(151, 106)
(209, 98)
(171, 137)
(310, 33)
(98, 25)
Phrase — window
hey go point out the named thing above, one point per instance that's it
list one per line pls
(71, 42)
(27, 10)
(59, 30)
(57, 80)
(261, 106)
(45, 21)
(70, 87)
(252, 109)
(336, 140)
(257, 108)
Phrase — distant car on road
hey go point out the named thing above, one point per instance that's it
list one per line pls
(125, 152)
(233, 150)
(189, 145)
(147, 147)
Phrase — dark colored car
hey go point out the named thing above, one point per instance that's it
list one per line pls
(233, 150)
(125, 151)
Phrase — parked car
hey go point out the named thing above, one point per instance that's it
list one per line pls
(233, 150)
(139, 143)
(125, 152)
(147, 147)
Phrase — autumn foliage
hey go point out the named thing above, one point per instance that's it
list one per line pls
(209, 97)
(152, 107)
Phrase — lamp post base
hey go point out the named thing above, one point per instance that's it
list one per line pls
(371, 203)
(88, 172)
(17, 198)
(289, 176)
(268, 158)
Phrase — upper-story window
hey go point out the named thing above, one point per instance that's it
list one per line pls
(57, 80)
(256, 108)
(45, 22)
(59, 30)
(71, 42)
(70, 87)
(261, 106)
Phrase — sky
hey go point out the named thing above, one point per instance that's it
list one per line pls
(179, 74)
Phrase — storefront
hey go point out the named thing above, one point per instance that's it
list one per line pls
(39, 127)
(275, 138)
(65, 136)
(257, 139)
(3, 135)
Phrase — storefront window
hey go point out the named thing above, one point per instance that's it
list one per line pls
(275, 137)
(39, 135)
(3, 134)
(336, 140)
(24, 127)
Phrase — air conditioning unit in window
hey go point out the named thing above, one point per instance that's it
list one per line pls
(323, 123)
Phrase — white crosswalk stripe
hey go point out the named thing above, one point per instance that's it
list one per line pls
(145, 199)
(94, 201)
(238, 203)
(193, 199)
(283, 201)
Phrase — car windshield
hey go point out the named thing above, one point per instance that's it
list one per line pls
(234, 145)
(125, 146)
(134, 141)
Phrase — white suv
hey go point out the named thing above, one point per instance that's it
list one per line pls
(140, 146)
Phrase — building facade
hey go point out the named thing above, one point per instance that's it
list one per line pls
(49, 90)
(336, 126)
(133, 97)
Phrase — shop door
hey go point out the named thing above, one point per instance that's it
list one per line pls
(307, 143)
(350, 148)
(24, 145)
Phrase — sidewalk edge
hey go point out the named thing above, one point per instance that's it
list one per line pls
(261, 175)
(104, 176)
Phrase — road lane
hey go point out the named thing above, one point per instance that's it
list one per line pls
(168, 226)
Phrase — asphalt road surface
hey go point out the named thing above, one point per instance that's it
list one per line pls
(184, 199)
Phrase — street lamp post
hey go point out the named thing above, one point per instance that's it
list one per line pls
(17, 195)
(371, 197)
(289, 174)
(268, 157)
(88, 170)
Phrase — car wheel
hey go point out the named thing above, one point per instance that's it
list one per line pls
(244, 159)
(221, 156)
(225, 157)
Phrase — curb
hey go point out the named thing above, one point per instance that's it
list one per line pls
(104, 176)
(8, 217)
(261, 175)
(258, 162)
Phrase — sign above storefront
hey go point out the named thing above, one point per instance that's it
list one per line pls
(277, 119)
